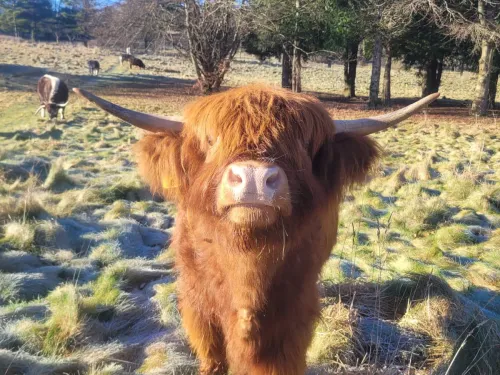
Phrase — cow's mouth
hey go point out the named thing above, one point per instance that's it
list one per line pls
(252, 214)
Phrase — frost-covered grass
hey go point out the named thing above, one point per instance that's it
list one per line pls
(86, 284)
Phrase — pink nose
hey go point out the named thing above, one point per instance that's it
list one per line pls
(254, 183)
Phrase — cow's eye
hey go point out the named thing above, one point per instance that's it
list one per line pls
(210, 141)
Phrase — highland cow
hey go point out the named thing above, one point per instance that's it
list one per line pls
(53, 94)
(258, 175)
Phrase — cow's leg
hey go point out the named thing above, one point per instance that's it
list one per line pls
(62, 112)
(206, 341)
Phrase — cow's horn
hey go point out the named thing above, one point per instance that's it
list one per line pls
(152, 123)
(39, 109)
(374, 124)
(62, 105)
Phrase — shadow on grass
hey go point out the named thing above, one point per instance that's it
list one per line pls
(24, 78)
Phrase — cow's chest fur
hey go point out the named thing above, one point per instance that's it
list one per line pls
(250, 288)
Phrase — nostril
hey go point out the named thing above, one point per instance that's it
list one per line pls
(272, 180)
(234, 178)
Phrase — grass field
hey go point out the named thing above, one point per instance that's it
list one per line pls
(86, 283)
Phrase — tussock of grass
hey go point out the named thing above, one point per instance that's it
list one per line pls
(8, 289)
(396, 181)
(49, 234)
(106, 289)
(59, 256)
(73, 202)
(128, 187)
(156, 358)
(421, 171)
(420, 214)
(32, 334)
(167, 300)
(460, 188)
(462, 339)
(65, 322)
(448, 238)
(20, 235)
(118, 210)
(106, 253)
(27, 206)
(58, 179)
(469, 217)
(333, 340)
(404, 265)
(109, 369)
(483, 275)
(486, 199)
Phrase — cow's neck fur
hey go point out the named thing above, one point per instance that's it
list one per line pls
(255, 260)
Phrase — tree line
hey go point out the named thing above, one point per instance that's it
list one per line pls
(428, 35)
(49, 20)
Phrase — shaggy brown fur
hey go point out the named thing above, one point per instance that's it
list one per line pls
(248, 296)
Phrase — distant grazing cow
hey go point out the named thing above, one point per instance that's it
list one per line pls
(53, 94)
(258, 175)
(137, 62)
(125, 57)
(93, 67)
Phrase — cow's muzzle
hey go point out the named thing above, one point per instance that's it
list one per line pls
(254, 193)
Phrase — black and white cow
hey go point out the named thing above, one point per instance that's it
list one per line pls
(53, 95)
(125, 57)
(93, 67)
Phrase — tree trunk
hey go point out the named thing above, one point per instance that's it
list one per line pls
(190, 42)
(439, 74)
(350, 66)
(480, 103)
(296, 63)
(432, 77)
(286, 70)
(387, 77)
(493, 89)
(296, 71)
(375, 77)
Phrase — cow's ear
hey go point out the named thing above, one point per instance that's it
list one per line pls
(345, 161)
(159, 160)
